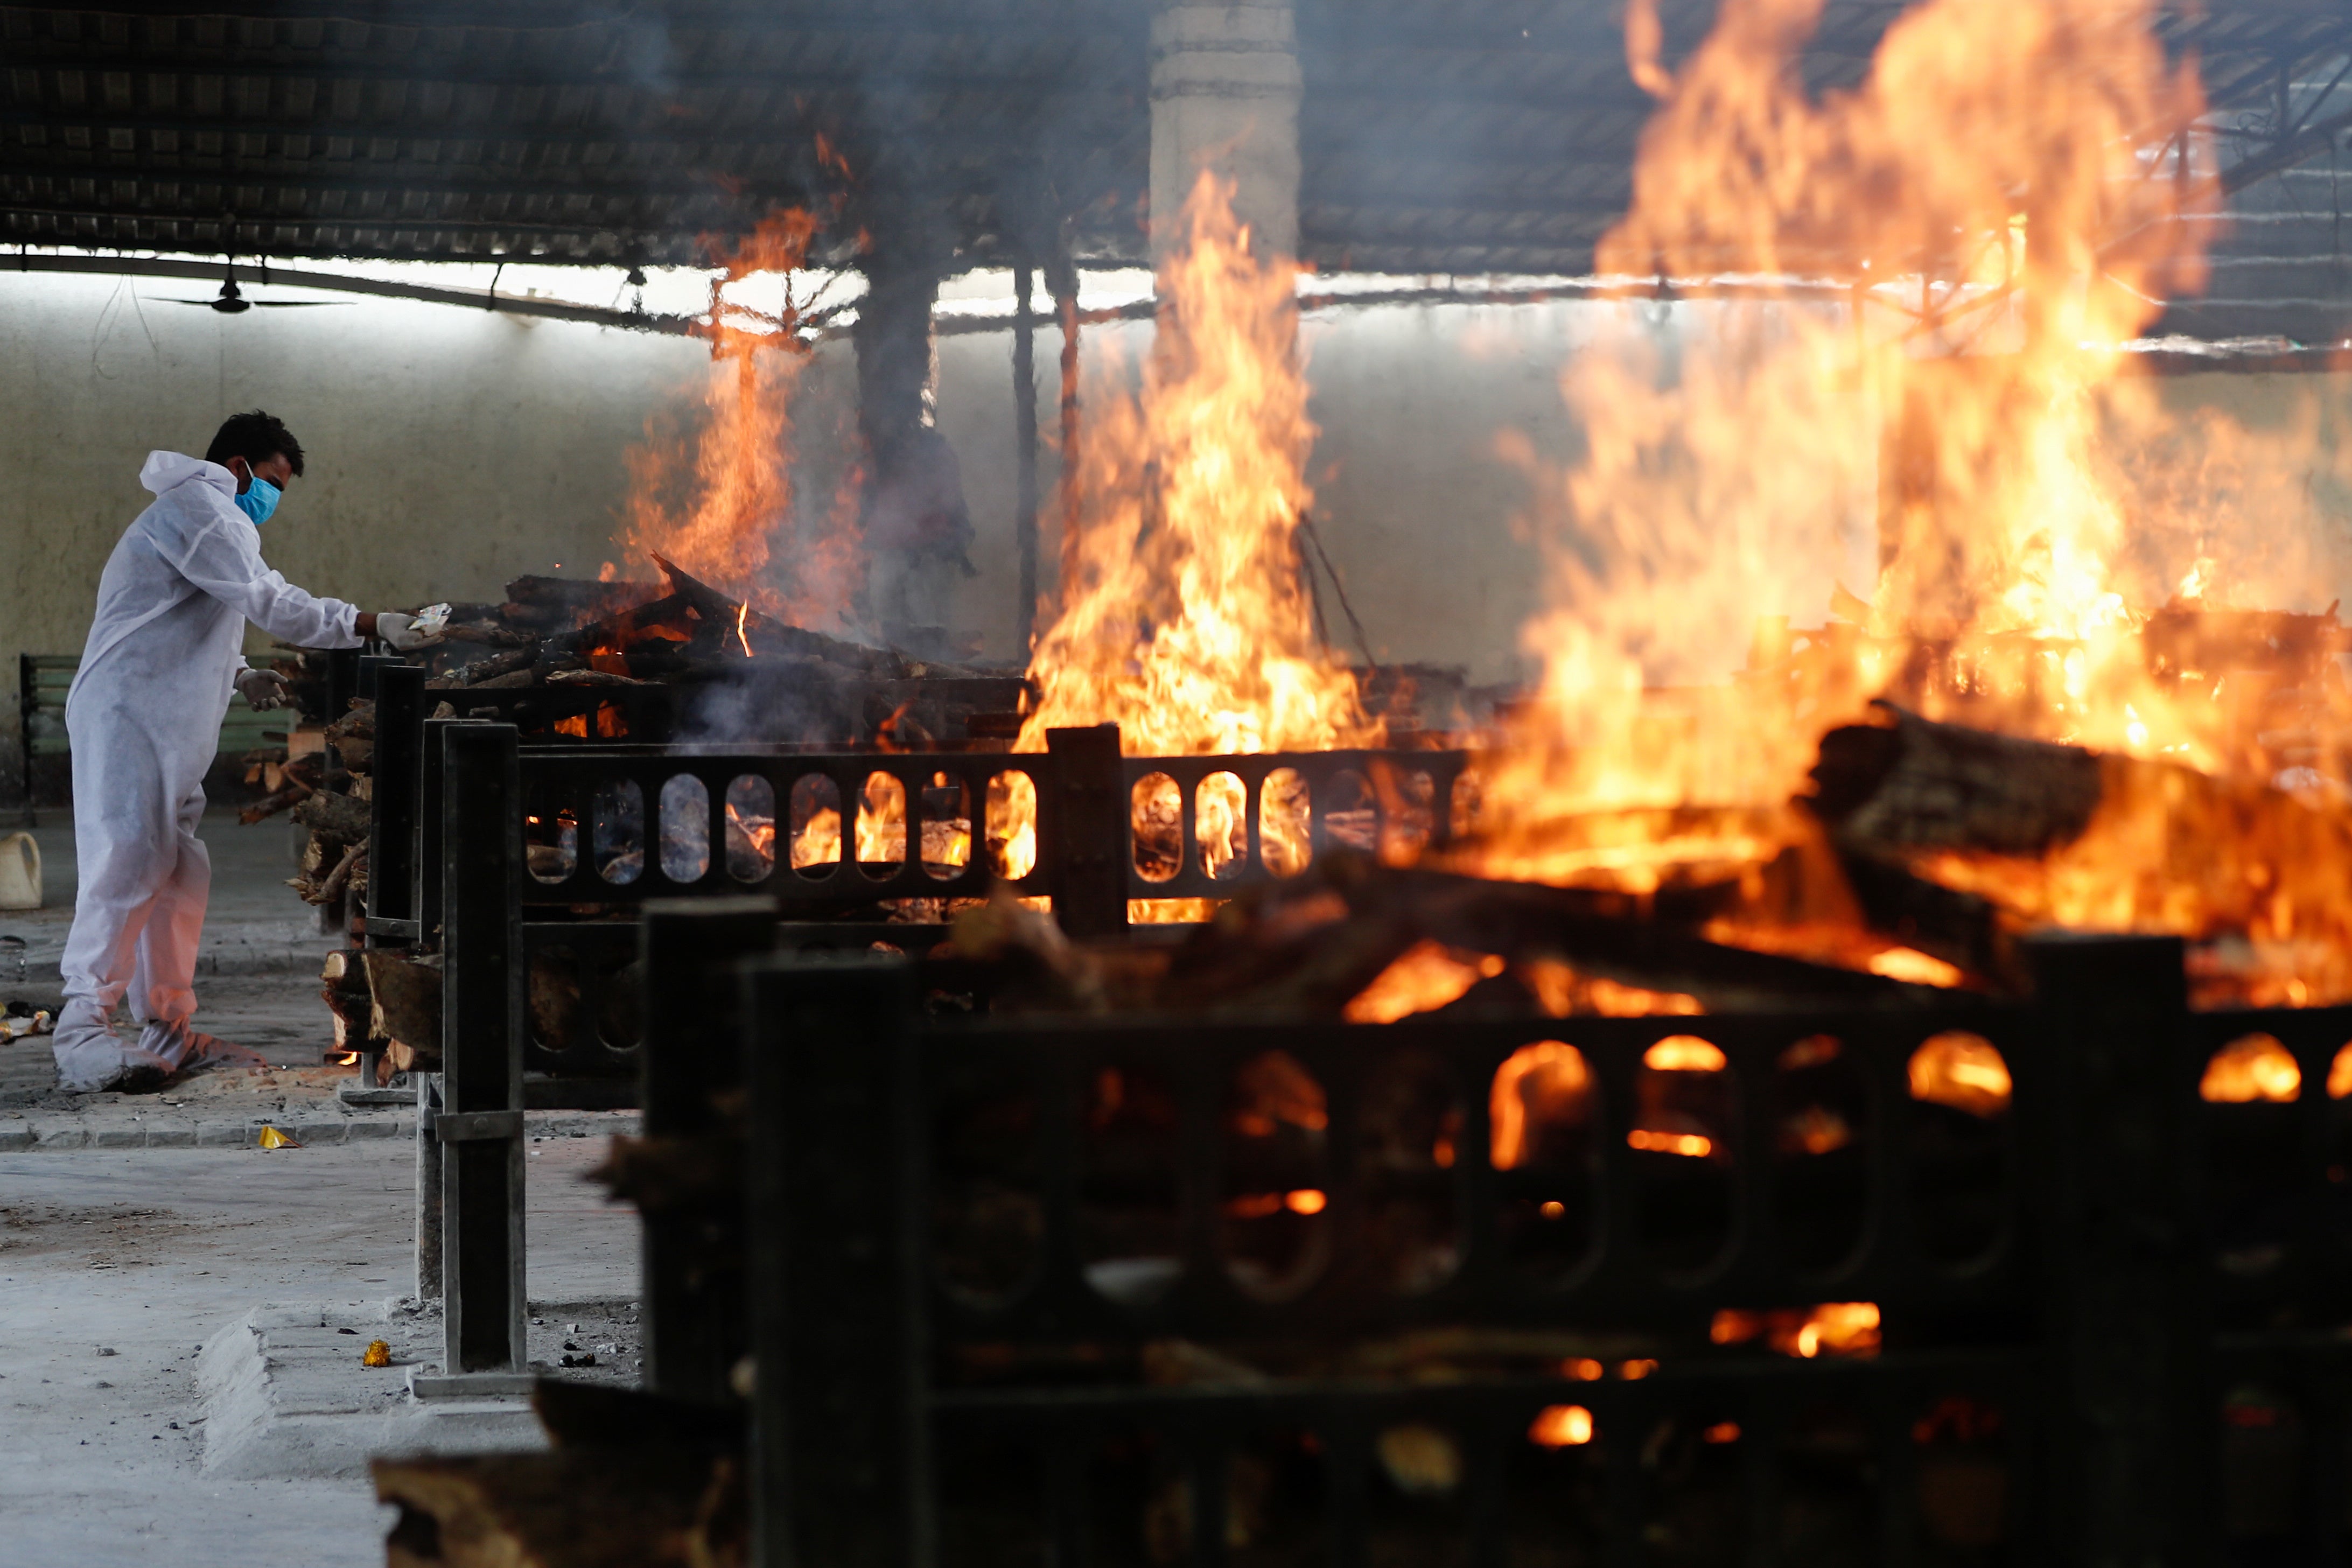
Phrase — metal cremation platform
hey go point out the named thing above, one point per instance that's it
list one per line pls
(519, 865)
(962, 1239)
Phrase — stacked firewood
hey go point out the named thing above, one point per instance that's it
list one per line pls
(562, 636)
(329, 800)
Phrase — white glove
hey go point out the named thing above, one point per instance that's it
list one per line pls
(402, 632)
(262, 689)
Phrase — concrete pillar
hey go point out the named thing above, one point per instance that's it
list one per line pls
(1224, 95)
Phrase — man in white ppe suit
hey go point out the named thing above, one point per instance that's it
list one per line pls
(143, 718)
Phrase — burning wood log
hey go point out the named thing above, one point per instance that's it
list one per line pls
(557, 636)
(1315, 944)
(1912, 784)
(2014, 834)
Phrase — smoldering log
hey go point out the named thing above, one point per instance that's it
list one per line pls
(1312, 943)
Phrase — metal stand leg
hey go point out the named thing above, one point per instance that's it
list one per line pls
(480, 1130)
(694, 1310)
(840, 1463)
(428, 1188)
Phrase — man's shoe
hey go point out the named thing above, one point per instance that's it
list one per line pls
(89, 1055)
(136, 1077)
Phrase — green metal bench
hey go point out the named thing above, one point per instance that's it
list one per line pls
(42, 681)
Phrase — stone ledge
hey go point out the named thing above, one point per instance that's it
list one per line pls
(182, 1132)
(100, 1130)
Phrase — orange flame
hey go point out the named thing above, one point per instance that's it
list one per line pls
(1187, 622)
(713, 502)
(1185, 619)
(1951, 258)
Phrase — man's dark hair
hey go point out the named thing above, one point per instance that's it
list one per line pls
(257, 437)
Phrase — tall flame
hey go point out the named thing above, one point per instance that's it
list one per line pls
(715, 499)
(1950, 258)
(1988, 165)
(1187, 622)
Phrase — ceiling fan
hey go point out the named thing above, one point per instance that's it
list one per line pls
(231, 300)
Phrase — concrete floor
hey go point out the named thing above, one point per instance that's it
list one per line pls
(145, 1253)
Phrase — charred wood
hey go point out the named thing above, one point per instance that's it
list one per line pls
(573, 1508)
(1915, 785)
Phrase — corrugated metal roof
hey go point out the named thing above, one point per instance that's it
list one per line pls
(563, 132)
(1437, 136)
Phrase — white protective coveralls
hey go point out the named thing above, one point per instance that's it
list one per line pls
(143, 717)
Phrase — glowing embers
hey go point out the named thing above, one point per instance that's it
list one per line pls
(1286, 821)
(1156, 823)
(1429, 976)
(750, 807)
(1560, 1427)
(1961, 1070)
(1543, 1143)
(1426, 976)
(2252, 1067)
(551, 835)
(1821, 1153)
(1832, 1329)
(1276, 1175)
(2262, 1131)
(1962, 1158)
(1681, 1140)
(1221, 824)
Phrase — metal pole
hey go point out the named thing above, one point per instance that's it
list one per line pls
(841, 1455)
(1063, 280)
(480, 1126)
(695, 1307)
(1082, 831)
(2129, 1476)
(1024, 423)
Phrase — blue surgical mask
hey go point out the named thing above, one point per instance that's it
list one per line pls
(259, 499)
